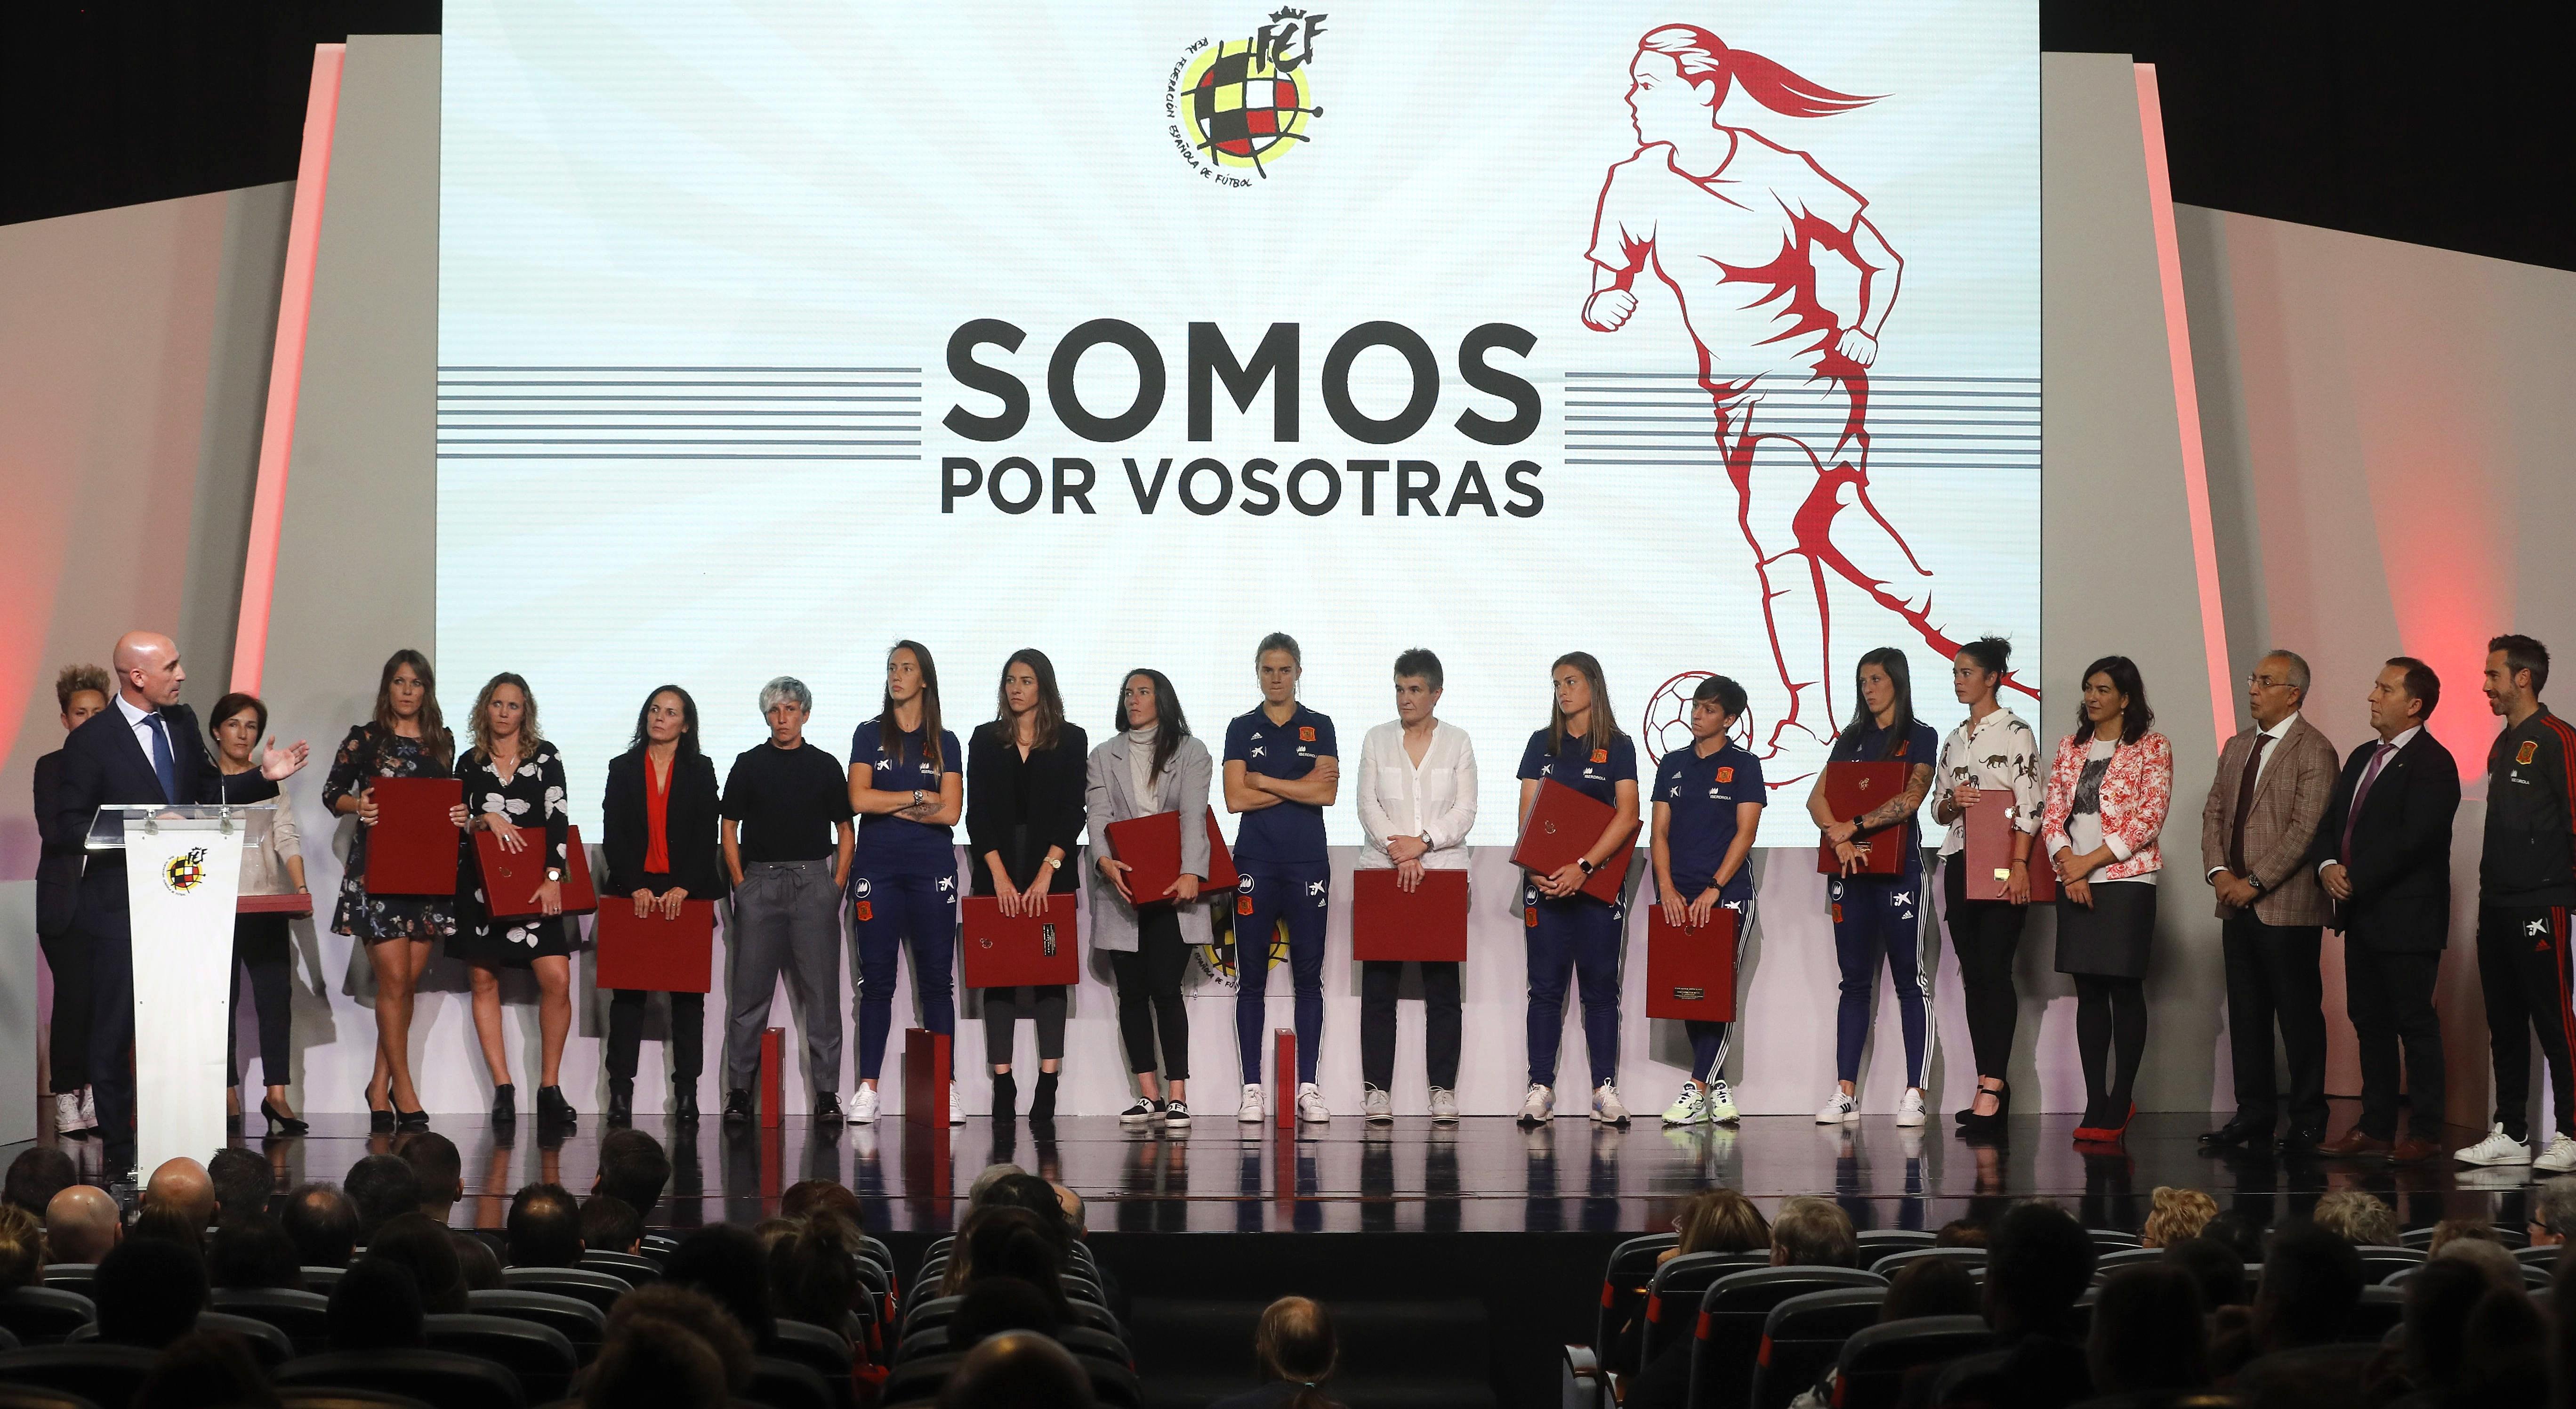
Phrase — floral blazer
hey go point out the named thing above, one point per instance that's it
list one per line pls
(2136, 789)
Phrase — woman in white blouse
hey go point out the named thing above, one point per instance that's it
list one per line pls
(1991, 748)
(1417, 794)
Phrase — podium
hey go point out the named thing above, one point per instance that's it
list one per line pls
(182, 883)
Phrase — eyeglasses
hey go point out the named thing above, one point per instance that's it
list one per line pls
(2266, 682)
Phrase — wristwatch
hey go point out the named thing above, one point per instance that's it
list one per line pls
(1585, 862)
(554, 873)
(1054, 862)
(916, 797)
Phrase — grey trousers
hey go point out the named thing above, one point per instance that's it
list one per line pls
(786, 918)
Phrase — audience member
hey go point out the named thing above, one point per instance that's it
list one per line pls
(2148, 1332)
(1294, 1349)
(2357, 1217)
(2214, 1267)
(169, 1223)
(380, 1187)
(634, 1167)
(725, 1262)
(425, 1249)
(242, 1182)
(610, 1224)
(650, 1363)
(82, 1224)
(2433, 1336)
(2240, 1232)
(439, 1169)
(1931, 1286)
(1027, 1191)
(1718, 1220)
(476, 1260)
(998, 1304)
(205, 1370)
(663, 1307)
(1960, 1233)
(544, 1227)
(182, 1186)
(2038, 1261)
(1813, 1232)
(984, 1182)
(2504, 1355)
(323, 1223)
(813, 1274)
(1074, 1210)
(2175, 1214)
(1008, 1242)
(2553, 1212)
(22, 1248)
(805, 1196)
(376, 1306)
(2452, 1230)
(35, 1176)
(2311, 1282)
(2502, 1269)
(148, 1292)
(1019, 1370)
(250, 1251)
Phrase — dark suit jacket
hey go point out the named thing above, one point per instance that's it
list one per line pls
(2400, 865)
(689, 827)
(103, 764)
(995, 821)
(58, 866)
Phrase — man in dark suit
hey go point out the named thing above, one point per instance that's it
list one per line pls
(144, 747)
(2384, 855)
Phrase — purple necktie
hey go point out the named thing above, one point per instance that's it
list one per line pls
(2360, 791)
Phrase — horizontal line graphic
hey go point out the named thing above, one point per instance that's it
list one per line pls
(626, 455)
(478, 368)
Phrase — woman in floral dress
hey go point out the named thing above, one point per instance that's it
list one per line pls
(514, 778)
(407, 739)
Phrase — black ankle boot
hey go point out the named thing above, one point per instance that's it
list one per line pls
(1042, 1104)
(621, 1100)
(505, 1104)
(553, 1109)
(1006, 1096)
(684, 1100)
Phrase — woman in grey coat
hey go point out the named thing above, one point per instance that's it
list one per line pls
(1152, 765)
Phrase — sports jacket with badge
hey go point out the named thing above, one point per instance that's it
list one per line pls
(2530, 849)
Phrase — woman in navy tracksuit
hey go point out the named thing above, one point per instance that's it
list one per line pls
(1881, 913)
(1573, 935)
(908, 785)
(1282, 769)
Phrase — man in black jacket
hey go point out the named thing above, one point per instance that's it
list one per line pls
(2384, 855)
(144, 747)
(2526, 883)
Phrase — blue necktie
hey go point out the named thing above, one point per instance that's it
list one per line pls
(163, 765)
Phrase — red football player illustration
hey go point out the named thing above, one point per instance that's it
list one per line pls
(1737, 226)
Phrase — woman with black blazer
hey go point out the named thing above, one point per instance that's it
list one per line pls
(659, 811)
(1026, 773)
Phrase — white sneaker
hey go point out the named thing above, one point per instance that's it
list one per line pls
(1310, 1104)
(67, 1120)
(1176, 1113)
(2497, 1148)
(1721, 1104)
(2561, 1156)
(1909, 1111)
(1250, 1111)
(1140, 1113)
(1605, 1105)
(1444, 1106)
(1378, 1106)
(1840, 1109)
(1539, 1107)
(863, 1106)
(1688, 1108)
(89, 1108)
(956, 1108)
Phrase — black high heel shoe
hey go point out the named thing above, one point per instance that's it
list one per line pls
(280, 1123)
(1006, 1098)
(505, 1104)
(411, 1122)
(380, 1119)
(1042, 1105)
(553, 1110)
(1972, 1123)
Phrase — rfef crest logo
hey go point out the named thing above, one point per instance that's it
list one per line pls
(184, 872)
(2529, 751)
(1242, 104)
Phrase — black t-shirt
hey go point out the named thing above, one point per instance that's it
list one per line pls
(787, 801)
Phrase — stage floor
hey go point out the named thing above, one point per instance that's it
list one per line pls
(1484, 1174)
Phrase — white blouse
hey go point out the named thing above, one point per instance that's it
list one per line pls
(1997, 752)
(1435, 801)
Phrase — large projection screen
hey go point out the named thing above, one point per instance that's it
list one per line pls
(1699, 338)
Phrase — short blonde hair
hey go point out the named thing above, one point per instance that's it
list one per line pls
(22, 1248)
(76, 678)
(1721, 1220)
(1814, 1232)
(2175, 1215)
(2358, 1218)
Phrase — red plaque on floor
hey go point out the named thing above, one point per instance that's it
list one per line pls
(1284, 1078)
(655, 954)
(1430, 924)
(925, 1077)
(773, 1081)
(1690, 973)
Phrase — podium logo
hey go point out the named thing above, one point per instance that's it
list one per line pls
(185, 872)
(1239, 105)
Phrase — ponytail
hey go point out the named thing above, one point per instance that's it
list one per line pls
(1703, 57)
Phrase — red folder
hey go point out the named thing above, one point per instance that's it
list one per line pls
(1429, 925)
(1563, 824)
(654, 954)
(1005, 951)
(510, 880)
(1989, 854)
(1852, 789)
(1151, 845)
(412, 848)
(1690, 973)
(291, 903)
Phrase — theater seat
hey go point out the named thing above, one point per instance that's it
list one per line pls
(1673, 1297)
(823, 1351)
(2113, 1260)
(2378, 1262)
(600, 1289)
(1802, 1336)
(1732, 1314)
(441, 1379)
(924, 1315)
(331, 1398)
(267, 1343)
(1623, 1284)
(637, 1271)
(1876, 1243)
(104, 1374)
(45, 1315)
(2380, 1309)
(70, 1276)
(784, 1384)
(580, 1322)
(305, 1317)
(322, 1281)
(540, 1356)
(2112, 1239)
(1870, 1372)
(1971, 1260)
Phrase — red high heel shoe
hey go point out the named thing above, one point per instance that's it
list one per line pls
(2106, 1134)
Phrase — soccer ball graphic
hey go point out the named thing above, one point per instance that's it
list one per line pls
(1667, 722)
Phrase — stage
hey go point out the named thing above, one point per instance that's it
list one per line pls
(1483, 1175)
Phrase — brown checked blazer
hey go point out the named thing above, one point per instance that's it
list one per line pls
(2290, 800)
